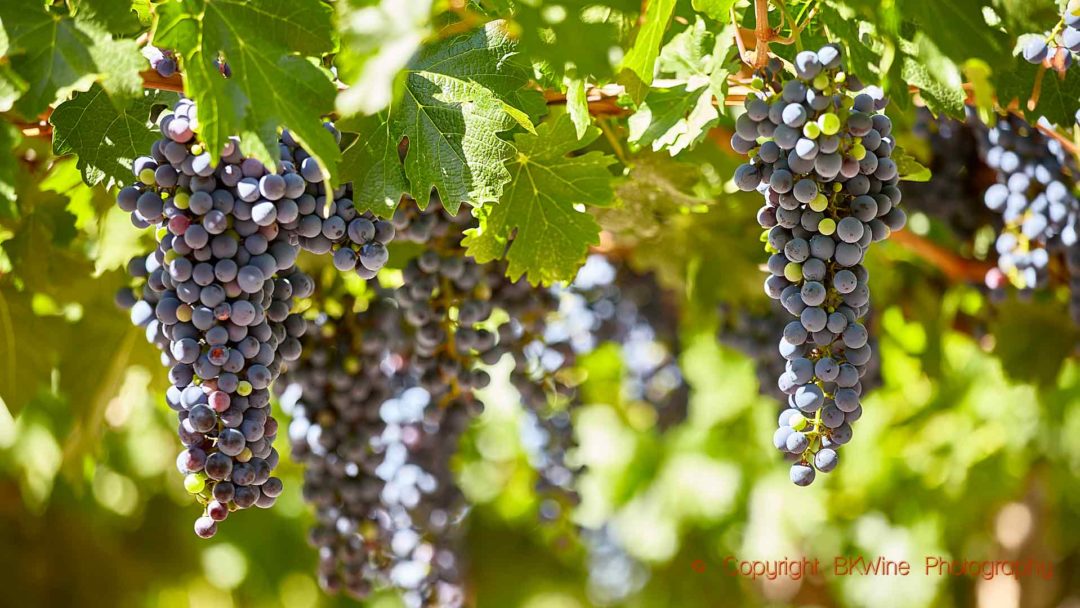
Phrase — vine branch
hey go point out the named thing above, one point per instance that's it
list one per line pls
(153, 80)
(763, 34)
(957, 268)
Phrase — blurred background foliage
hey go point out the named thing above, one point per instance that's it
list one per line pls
(969, 449)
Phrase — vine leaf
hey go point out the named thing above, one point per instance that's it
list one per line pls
(378, 40)
(1057, 96)
(938, 79)
(11, 84)
(459, 96)
(9, 137)
(61, 366)
(105, 139)
(909, 168)
(1033, 339)
(658, 192)
(118, 16)
(54, 56)
(23, 371)
(539, 223)
(677, 117)
(273, 84)
(720, 10)
(958, 28)
(636, 69)
(577, 35)
(577, 105)
(453, 128)
(372, 163)
(40, 251)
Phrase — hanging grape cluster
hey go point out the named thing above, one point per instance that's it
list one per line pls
(954, 194)
(387, 381)
(1056, 48)
(375, 450)
(754, 334)
(820, 154)
(379, 398)
(1035, 195)
(216, 294)
(162, 61)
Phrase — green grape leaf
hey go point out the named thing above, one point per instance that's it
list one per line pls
(118, 16)
(658, 191)
(459, 96)
(958, 28)
(577, 105)
(909, 167)
(11, 84)
(575, 34)
(41, 251)
(104, 138)
(678, 117)
(938, 79)
(143, 11)
(378, 40)
(1033, 340)
(24, 371)
(1057, 96)
(688, 56)
(273, 84)
(719, 10)
(56, 55)
(539, 224)
(664, 119)
(636, 69)
(9, 137)
(59, 362)
(372, 163)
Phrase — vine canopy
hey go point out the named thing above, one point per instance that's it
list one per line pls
(466, 102)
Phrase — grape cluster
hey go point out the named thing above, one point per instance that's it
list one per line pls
(379, 399)
(422, 505)
(754, 334)
(954, 192)
(609, 302)
(386, 383)
(1035, 195)
(217, 292)
(1055, 49)
(332, 394)
(376, 452)
(548, 329)
(820, 154)
(162, 61)
(446, 349)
